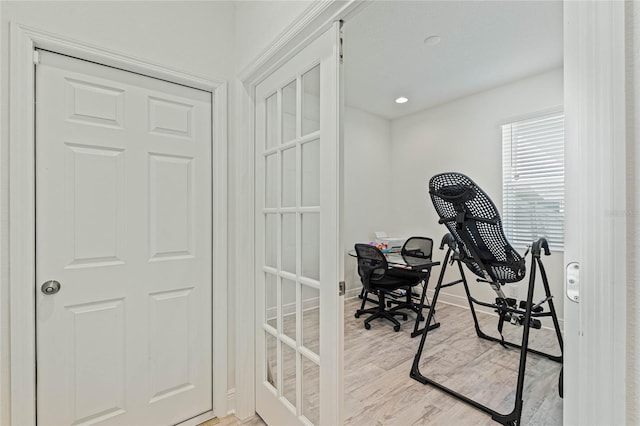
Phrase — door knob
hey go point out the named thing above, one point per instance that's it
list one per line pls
(50, 287)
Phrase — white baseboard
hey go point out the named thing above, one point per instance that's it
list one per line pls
(461, 302)
(231, 401)
(195, 421)
(352, 292)
(290, 308)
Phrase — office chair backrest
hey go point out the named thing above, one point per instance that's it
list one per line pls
(474, 221)
(421, 247)
(372, 265)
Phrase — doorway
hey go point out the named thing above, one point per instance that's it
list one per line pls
(124, 324)
(99, 105)
(466, 68)
(593, 92)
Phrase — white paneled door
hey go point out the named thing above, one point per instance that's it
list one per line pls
(298, 307)
(123, 224)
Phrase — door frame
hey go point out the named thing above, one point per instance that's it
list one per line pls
(596, 388)
(22, 309)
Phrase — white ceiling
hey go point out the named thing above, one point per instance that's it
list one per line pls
(483, 44)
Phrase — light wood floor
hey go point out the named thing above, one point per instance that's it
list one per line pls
(232, 420)
(379, 391)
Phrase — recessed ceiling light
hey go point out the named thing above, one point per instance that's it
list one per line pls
(432, 40)
(401, 100)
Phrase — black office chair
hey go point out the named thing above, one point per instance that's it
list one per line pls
(418, 247)
(374, 274)
(414, 248)
(477, 240)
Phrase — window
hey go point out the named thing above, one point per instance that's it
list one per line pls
(533, 180)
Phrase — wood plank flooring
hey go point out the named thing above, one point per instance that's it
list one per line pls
(379, 391)
(232, 420)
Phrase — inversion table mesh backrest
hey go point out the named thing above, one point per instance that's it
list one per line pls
(474, 221)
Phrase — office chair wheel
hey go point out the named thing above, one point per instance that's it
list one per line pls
(367, 325)
(404, 317)
(388, 304)
(396, 328)
(357, 315)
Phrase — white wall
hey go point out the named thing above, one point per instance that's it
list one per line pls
(465, 136)
(195, 37)
(367, 187)
(192, 36)
(258, 23)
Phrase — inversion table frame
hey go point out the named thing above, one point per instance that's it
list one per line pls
(525, 314)
(512, 418)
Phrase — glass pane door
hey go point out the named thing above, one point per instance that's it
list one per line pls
(297, 240)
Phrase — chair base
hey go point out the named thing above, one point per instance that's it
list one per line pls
(408, 304)
(380, 312)
(419, 306)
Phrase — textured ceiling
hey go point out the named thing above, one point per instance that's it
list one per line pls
(483, 44)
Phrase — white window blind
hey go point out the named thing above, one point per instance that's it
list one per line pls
(533, 180)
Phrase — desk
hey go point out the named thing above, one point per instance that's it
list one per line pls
(397, 260)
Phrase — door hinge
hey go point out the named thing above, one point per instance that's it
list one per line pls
(342, 288)
(36, 57)
(573, 281)
(341, 40)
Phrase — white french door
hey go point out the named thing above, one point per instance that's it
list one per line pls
(299, 321)
(123, 224)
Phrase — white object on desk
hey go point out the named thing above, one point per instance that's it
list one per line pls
(392, 242)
